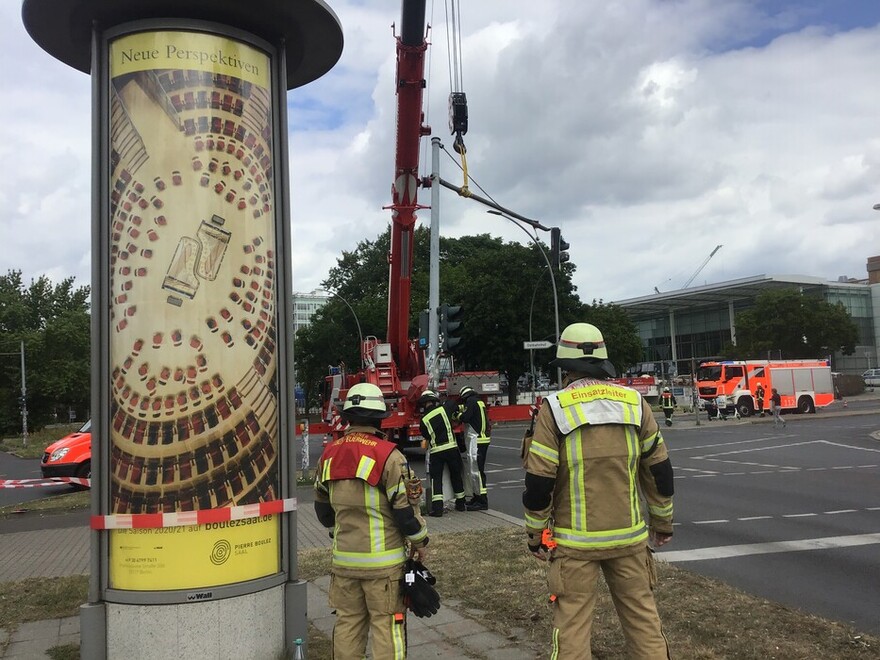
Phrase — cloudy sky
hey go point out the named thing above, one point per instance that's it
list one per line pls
(650, 131)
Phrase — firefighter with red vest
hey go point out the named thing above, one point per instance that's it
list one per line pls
(366, 492)
(596, 448)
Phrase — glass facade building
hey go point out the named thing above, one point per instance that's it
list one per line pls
(694, 324)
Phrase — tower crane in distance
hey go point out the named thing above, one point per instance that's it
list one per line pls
(702, 266)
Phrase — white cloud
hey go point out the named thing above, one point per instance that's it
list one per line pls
(649, 131)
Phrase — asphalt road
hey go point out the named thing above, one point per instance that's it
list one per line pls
(12, 467)
(791, 515)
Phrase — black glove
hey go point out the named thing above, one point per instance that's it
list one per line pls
(419, 594)
(534, 543)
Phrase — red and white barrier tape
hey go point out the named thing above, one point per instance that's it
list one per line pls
(48, 481)
(201, 517)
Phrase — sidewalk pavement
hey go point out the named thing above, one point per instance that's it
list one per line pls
(60, 551)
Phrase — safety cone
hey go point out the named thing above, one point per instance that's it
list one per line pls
(844, 403)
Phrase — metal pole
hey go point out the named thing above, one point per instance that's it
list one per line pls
(434, 269)
(24, 429)
(499, 210)
(531, 350)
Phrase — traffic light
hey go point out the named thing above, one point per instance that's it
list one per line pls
(558, 248)
(424, 328)
(450, 326)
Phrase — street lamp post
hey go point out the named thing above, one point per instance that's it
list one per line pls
(534, 239)
(357, 322)
(531, 309)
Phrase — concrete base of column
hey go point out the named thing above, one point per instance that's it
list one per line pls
(248, 626)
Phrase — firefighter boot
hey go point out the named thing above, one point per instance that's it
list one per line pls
(460, 504)
(436, 509)
(479, 503)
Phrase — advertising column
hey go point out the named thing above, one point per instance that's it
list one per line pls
(194, 410)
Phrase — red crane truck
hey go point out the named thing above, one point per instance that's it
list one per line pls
(397, 365)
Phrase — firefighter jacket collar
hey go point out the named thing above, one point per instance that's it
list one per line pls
(356, 455)
(589, 401)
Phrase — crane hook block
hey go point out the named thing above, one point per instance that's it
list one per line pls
(458, 113)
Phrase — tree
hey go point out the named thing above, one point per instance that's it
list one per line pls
(505, 291)
(796, 325)
(53, 322)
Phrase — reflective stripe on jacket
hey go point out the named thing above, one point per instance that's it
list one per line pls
(475, 415)
(437, 428)
(596, 440)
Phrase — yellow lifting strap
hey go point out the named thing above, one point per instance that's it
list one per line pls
(460, 149)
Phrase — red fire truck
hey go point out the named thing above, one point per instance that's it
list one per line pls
(803, 385)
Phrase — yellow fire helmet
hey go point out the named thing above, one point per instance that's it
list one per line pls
(365, 401)
(581, 348)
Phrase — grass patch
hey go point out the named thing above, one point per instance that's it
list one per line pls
(494, 579)
(36, 599)
(68, 502)
(319, 643)
(66, 652)
(37, 441)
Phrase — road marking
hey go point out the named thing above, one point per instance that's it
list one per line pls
(780, 470)
(756, 449)
(720, 444)
(839, 444)
(782, 515)
(746, 549)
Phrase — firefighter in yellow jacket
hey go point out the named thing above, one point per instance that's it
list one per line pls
(595, 447)
(366, 492)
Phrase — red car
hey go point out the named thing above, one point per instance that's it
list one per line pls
(71, 456)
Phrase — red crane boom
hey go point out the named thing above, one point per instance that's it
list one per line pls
(411, 49)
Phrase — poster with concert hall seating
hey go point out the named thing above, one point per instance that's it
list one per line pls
(194, 418)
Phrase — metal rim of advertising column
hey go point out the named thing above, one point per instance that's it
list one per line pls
(63, 28)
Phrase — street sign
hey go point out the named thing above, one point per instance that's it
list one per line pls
(529, 345)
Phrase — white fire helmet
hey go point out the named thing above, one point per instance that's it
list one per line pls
(580, 345)
(365, 400)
